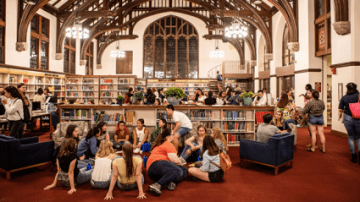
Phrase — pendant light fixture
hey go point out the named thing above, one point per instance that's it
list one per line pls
(217, 53)
(77, 30)
(236, 30)
(117, 53)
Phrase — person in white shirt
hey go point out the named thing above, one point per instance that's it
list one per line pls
(140, 135)
(183, 124)
(14, 111)
(260, 100)
(40, 97)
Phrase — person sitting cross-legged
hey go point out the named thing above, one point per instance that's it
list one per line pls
(266, 130)
(210, 170)
(121, 136)
(193, 146)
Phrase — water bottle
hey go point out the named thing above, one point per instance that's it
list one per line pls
(143, 147)
(145, 160)
(199, 158)
(88, 167)
(149, 147)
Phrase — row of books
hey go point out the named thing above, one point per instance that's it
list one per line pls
(57, 81)
(58, 94)
(201, 115)
(234, 138)
(236, 127)
(88, 81)
(125, 81)
(74, 114)
(72, 88)
(88, 94)
(71, 81)
(234, 115)
(108, 94)
(106, 87)
(108, 118)
(85, 87)
(72, 94)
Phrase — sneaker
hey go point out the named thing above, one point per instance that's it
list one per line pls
(156, 188)
(171, 186)
(182, 160)
(137, 150)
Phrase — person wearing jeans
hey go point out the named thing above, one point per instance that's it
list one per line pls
(163, 165)
(193, 146)
(352, 125)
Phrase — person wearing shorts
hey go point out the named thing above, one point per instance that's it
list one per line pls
(182, 124)
(315, 108)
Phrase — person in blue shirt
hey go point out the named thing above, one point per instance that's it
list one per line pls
(87, 146)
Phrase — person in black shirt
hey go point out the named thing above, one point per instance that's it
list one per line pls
(352, 125)
(68, 173)
(210, 100)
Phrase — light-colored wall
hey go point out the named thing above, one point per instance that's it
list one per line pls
(345, 49)
(205, 46)
(13, 57)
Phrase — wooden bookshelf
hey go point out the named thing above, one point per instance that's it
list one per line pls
(33, 80)
(188, 85)
(236, 122)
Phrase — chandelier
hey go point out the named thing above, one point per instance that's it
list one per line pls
(117, 53)
(236, 30)
(217, 53)
(77, 31)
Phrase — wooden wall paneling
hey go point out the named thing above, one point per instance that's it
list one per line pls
(125, 65)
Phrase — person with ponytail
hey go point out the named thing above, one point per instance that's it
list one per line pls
(163, 165)
(68, 172)
(14, 111)
(210, 170)
(127, 172)
(101, 175)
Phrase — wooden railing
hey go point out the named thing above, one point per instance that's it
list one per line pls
(234, 67)
(212, 72)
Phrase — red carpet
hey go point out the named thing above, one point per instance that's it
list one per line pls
(314, 177)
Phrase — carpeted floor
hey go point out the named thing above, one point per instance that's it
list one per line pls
(314, 177)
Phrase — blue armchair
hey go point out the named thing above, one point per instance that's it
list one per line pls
(20, 154)
(275, 153)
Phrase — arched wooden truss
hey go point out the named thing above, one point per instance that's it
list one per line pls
(107, 16)
(27, 14)
(342, 23)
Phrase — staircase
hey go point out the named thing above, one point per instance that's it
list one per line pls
(212, 75)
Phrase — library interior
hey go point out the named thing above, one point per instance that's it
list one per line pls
(179, 100)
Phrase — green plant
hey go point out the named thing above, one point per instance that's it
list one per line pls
(120, 98)
(247, 94)
(175, 92)
(139, 96)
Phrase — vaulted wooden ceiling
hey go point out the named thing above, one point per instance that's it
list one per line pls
(105, 18)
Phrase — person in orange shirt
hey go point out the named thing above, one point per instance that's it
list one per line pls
(164, 166)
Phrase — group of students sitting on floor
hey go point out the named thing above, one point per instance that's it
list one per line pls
(163, 165)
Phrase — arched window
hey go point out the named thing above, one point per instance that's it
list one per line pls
(288, 56)
(171, 49)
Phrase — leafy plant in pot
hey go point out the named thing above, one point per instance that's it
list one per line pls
(247, 96)
(138, 96)
(174, 95)
(120, 99)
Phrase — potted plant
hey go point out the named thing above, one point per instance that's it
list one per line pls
(139, 96)
(174, 95)
(247, 96)
(120, 99)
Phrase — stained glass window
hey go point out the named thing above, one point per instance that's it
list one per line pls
(171, 47)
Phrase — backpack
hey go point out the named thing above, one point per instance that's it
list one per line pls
(225, 162)
(26, 113)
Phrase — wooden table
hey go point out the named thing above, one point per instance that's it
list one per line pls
(40, 115)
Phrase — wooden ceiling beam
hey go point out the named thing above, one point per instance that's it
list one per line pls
(237, 13)
(51, 9)
(65, 5)
(90, 14)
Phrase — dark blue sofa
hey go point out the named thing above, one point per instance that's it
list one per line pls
(275, 153)
(19, 154)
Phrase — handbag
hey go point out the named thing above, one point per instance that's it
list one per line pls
(225, 162)
(355, 110)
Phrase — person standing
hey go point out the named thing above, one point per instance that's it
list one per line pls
(27, 106)
(40, 97)
(352, 125)
(183, 124)
(315, 108)
(14, 111)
